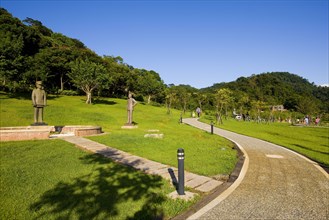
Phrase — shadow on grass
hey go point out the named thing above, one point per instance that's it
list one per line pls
(99, 101)
(103, 193)
(20, 96)
(311, 149)
(105, 102)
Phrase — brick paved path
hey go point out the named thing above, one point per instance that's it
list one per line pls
(197, 182)
(277, 184)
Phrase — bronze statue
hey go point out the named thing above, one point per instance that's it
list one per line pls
(131, 102)
(39, 102)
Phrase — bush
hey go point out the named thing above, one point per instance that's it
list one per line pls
(139, 98)
(68, 92)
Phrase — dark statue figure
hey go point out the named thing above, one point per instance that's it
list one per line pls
(39, 102)
(131, 102)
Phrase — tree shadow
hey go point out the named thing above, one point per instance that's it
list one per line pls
(20, 96)
(311, 149)
(98, 195)
(105, 102)
(27, 96)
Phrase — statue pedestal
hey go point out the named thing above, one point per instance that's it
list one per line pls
(129, 126)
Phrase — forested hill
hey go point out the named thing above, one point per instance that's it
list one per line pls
(29, 51)
(277, 88)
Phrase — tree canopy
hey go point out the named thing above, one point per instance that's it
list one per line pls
(29, 51)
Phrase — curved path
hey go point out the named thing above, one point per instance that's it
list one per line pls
(275, 183)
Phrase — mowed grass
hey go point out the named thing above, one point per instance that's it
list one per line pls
(312, 142)
(205, 154)
(52, 179)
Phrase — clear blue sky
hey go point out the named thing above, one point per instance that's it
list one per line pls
(198, 43)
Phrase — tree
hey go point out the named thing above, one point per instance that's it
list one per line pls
(87, 76)
(222, 100)
(306, 105)
(170, 97)
(201, 98)
(122, 77)
(258, 107)
(12, 61)
(37, 25)
(149, 83)
(241, 101)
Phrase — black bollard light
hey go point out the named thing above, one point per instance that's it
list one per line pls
(180, 157)
(212, 127)
(181, 119)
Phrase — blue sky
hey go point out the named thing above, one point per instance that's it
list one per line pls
(198, 43)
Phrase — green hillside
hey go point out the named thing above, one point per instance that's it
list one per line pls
(30, 51)
(279, 88)
(110, 114)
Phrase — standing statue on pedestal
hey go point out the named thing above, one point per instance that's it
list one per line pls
(39, 102)
(131, 102)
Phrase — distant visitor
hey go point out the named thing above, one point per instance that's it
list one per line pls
(39, 101)
(131, 102)
(198, 111)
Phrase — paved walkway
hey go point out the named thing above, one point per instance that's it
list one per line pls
(197, 182)
(275, 183)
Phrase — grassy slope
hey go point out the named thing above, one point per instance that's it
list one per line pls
(214, 153)
(312, 142)
(51, 179)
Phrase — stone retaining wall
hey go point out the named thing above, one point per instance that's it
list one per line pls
(43, 132)
(24, 133)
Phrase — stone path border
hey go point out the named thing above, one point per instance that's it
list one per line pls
(197, 182)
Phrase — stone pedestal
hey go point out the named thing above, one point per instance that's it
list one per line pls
(129, 126)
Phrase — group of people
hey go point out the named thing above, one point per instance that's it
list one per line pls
(308, 120)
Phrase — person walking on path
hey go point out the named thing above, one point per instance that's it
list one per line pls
(198, 111)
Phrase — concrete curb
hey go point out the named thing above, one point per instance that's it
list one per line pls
(279, 184)
(229, 190)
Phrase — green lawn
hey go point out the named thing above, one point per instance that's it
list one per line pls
(216, 154)
(312, 142)
(52, 179)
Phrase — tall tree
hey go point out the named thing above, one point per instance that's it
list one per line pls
(257, 107)
(171, 97)
(222, 100)
(12, 60)
(149, 83)
(201, 98)
(87, 76)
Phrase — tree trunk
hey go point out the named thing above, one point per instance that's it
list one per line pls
(88, 101)
(149, 99)
(62, 83)
(184, 108)
(200, 104)
(169, 107)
